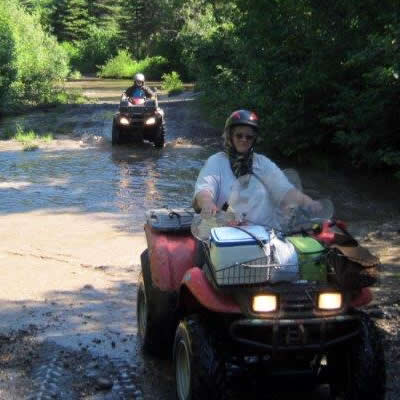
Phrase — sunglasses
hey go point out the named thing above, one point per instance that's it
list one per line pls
(244, 136)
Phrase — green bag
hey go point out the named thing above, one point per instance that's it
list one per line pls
(310, 252)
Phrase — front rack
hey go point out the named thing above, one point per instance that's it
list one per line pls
(253, 272)
(136, 109)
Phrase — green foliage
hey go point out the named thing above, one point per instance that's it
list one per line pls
(70, 19)
(73, 53)
(33, 60)
(70, 97)
(41, 7)
(321, 75)
(104, 13)
(75, 75)
(96, 49)
(29, 139)
(153, 67)
(85, 55)
(172, 83)
(124, 66)
(8, 71)
(120, 66)
(139, 21)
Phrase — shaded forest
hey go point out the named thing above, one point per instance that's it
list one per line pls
(323, 75)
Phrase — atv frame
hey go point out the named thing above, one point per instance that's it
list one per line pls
(208, 329)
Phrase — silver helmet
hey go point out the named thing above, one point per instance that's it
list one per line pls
(139, 79)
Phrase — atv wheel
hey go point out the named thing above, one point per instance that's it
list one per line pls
(159, 137)
(199, 368)
(155, 318)
(142, 314)
(115, 134)
(359, 369)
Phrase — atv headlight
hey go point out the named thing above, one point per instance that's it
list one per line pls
(265, 303)
(124, 121)
(329, 301)
(151, 121)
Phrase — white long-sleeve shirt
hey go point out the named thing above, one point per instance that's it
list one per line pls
(259, 202)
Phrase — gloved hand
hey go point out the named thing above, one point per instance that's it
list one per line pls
(209, 209)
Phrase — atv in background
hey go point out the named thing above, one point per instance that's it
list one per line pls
(138, 119)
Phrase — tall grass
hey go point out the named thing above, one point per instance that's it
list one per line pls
(123, 65)
(172, 83)
(30, 140)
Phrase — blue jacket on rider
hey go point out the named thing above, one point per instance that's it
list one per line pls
(139, 91)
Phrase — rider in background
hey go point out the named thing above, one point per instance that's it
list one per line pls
(138, 89)
(216, 178)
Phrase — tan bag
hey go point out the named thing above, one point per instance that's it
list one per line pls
(354, 265)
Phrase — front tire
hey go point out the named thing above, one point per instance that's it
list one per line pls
(155, 316)
(359, 370)
(199, 366)
(115, 134)
(159, 139)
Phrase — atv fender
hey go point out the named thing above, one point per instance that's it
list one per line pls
(200, 287)
(363, 298)
(171, 255)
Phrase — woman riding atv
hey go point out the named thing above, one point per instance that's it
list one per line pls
(214, 183)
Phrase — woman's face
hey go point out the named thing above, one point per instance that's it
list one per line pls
(243, 137)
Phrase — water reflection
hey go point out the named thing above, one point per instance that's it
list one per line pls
(127, 180)
(131, 179)
(93, 176)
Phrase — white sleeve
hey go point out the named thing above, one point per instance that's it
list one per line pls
(209, 178)
(276, 181)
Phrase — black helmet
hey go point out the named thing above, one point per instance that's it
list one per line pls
(242, 117)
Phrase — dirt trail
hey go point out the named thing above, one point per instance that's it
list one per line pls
(68, 293)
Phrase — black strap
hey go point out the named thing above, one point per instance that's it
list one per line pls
(258, 241)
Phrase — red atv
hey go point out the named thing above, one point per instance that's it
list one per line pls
(139, 119)
(283, 301)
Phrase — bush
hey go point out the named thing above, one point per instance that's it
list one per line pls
(72, 52)
(172, 83)
(8, 71)
(153, 67)
(100, 45)
(74, 75)
(120, 66)
(33, 59)
(86, 55)
(124, 66)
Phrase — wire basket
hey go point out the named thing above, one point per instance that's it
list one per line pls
(255, 272)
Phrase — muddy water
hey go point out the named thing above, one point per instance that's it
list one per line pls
(82, 174)
(90, 175)
(123, 180)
